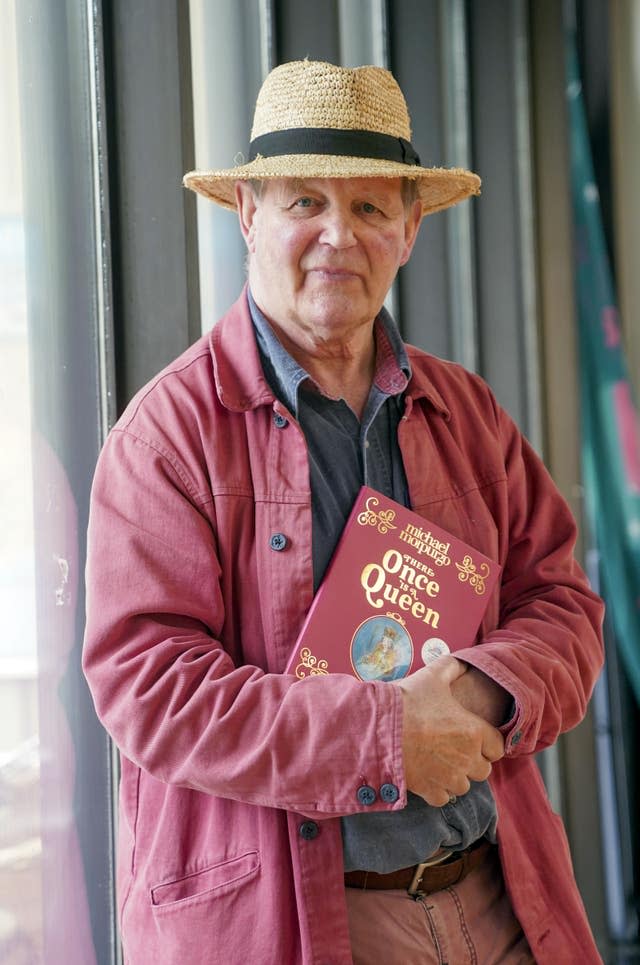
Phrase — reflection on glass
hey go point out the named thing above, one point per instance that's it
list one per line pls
(20, 830)
(54, 859)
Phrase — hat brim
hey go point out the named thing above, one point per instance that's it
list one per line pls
(438, 188)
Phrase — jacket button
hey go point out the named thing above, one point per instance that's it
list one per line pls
(309, 830)
(366, 795)
(389, 793)
(279, 421)
(278, 542)
(517, 737)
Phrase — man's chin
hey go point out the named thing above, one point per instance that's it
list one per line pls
(335, 326)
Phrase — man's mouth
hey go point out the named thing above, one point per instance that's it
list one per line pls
(333, 272)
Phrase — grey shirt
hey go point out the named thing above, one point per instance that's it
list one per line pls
(344, 454)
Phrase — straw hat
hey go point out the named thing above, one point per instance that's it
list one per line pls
(316, 120)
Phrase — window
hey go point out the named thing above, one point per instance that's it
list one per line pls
(55, 867)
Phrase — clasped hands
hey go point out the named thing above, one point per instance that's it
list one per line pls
(449, 738)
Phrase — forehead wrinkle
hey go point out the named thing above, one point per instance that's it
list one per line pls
(281, 188)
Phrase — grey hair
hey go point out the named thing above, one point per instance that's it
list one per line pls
(410, 193)
(257, 187)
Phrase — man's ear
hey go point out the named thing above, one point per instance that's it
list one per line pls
(411, 226)
(247, 207)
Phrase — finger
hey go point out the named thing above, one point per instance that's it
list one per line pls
(458, 786)
(436, 796)
(480, 771)
(492, 744)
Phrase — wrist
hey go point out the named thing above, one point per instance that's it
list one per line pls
(483, 696)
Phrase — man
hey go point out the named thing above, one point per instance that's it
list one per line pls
(328, 820)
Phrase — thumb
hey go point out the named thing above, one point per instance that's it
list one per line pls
(450, 668)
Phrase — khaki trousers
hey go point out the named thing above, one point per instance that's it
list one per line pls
(468, 924)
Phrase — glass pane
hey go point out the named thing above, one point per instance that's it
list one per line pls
(226, 64)
(55, 882)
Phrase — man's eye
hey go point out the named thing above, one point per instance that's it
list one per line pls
(303, 202)
(369, 208)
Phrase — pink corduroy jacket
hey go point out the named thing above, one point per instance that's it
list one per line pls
(234, 775)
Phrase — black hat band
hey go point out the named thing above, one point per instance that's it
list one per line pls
(332, 141)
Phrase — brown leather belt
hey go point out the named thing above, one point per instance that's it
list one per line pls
(426, 878)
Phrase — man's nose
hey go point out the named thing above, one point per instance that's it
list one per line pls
(338, 228)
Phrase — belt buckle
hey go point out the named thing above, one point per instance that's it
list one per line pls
(413, 890)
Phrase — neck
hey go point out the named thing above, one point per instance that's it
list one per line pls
(344, 369)
(351, 382)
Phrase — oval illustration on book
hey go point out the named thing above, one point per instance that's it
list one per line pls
(381, 649)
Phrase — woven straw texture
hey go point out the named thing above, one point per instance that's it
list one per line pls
(307, 94)
(311, 94)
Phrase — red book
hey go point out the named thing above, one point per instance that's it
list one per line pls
(399, 592)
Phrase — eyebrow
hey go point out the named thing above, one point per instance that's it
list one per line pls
(302, 184)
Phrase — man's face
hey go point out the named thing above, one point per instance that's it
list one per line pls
(324, 252)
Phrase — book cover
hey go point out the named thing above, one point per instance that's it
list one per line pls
(398, 593)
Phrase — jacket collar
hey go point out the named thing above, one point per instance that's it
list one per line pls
(420, 386)
(240, 380)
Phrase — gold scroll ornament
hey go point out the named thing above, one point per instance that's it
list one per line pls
(468, 571)
(382, 519)
(310, 665)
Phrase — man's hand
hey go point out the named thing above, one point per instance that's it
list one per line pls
(445, 747)
(481, 695)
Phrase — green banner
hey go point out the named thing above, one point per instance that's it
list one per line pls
(609, 417)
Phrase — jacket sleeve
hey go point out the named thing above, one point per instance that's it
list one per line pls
(166, 689)
(547, 650)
